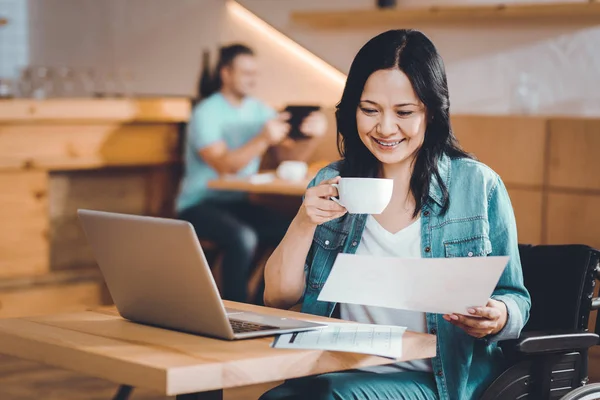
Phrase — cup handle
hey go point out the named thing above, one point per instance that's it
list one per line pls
(335, 199)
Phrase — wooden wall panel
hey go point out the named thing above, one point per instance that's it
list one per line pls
(162, 186)
(573, 218)
(513, 147)
(24, 216)
(117, 190)
(527, 205)
(575, 153)
(87, 146)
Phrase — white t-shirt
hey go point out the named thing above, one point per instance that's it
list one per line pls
(377, 241)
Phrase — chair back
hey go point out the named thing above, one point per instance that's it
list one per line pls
(560, 280)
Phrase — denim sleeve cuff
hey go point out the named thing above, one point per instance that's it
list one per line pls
(306, 271)
(514, 320)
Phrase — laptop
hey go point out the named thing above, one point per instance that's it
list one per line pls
(157, 274)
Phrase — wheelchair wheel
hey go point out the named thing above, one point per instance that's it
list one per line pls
(587, 392)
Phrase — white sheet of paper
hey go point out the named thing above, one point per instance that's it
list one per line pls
(380, 340)
(435, 285)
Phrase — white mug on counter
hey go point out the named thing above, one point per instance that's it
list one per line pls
(292, 170)
(364, 195)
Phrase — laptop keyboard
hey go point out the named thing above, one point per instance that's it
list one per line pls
(243, 327)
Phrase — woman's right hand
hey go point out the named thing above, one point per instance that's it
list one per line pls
(318, 207)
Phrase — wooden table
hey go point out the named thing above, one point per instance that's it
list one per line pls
(277, 186)
(102, 344)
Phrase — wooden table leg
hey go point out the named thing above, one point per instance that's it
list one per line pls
(212, 395)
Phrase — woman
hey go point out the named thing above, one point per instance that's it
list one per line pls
(393, 122)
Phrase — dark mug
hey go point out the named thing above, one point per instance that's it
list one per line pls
(386, 3)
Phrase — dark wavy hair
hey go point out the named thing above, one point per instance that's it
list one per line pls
(415, 55)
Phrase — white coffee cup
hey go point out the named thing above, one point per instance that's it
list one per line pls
(364, 195)
(292, 170)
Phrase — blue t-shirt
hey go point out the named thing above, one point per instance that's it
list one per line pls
(215, 119)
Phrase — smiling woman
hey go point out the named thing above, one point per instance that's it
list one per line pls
(393, 122)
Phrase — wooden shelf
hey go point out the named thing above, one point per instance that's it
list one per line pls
(586, 12)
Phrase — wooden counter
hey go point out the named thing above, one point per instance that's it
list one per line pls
(83, 134)
(98, 110)
(59, 155)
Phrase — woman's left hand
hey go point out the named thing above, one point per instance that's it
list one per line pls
(488, 320)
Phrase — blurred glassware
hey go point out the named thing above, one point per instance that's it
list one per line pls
(24, 86)
(525, 96)
(65, 83)
(109, 83)
(6, 88)
(127, 82)
(43, 82)
(78, 84)
(123, 79)
(88, 80)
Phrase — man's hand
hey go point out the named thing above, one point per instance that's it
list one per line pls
(314, 125)
(276, 129)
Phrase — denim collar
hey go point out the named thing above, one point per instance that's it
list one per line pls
(435, 190)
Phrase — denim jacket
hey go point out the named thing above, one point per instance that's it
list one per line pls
(479, 222)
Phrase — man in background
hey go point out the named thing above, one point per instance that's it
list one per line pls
(228, 133)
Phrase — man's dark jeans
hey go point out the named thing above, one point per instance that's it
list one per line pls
(237, 228)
